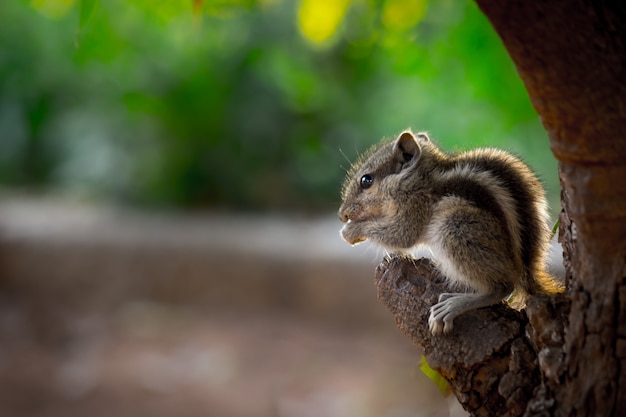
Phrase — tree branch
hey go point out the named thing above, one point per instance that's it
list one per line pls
(488, 359)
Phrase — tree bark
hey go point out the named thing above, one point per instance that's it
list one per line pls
(566, 354)
(571, 56)
(496, 358)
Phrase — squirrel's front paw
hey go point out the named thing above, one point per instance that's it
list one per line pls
(442, 314)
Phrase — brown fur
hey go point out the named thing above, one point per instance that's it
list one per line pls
(482, 213)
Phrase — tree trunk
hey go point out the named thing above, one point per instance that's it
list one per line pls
(565, 355)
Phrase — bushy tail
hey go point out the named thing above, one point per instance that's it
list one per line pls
(534, 283)
(546, 283)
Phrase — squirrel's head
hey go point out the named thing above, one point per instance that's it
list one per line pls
(373, 190)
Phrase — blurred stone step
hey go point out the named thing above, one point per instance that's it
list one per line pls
(69, 258)
(155, 360)
(127, 313)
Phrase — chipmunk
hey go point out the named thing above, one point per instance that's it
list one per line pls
(482, 213)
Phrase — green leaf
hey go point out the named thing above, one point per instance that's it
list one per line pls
(86, 10)
(435, 376)
(555, 229)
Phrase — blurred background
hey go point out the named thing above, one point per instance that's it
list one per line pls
(169, 175)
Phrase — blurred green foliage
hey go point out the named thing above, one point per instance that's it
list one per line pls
(245, 104)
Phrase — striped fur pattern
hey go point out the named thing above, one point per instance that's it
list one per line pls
(482, 213)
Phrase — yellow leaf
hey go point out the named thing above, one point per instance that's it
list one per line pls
(318, 20)
(435, 376)
(403, 14)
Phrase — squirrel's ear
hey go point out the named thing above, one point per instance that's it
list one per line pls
(423, 136)
(407, 149)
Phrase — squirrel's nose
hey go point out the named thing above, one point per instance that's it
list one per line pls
(343, 216)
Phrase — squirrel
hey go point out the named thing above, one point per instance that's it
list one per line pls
(482, 213)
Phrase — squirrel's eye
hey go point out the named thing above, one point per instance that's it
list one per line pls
(366, 181)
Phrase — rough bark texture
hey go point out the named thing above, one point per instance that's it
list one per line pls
(497, 358)
(571, 55)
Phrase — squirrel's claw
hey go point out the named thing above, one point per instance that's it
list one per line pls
(442, 314)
